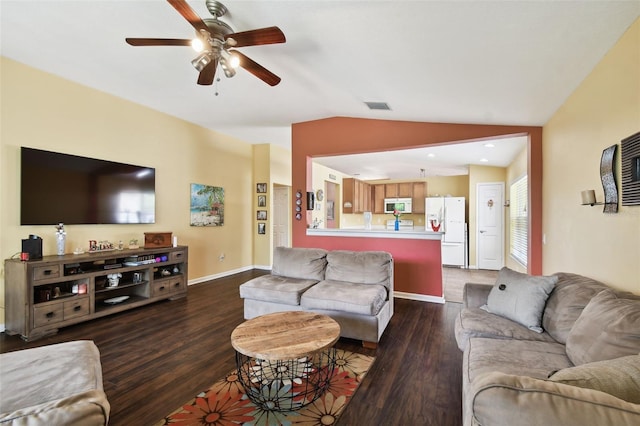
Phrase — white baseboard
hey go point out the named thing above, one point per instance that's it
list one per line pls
(226, 274)
(420, 297)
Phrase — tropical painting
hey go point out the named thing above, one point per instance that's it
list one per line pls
(207, 205)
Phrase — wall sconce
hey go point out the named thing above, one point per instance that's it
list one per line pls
(589, 198)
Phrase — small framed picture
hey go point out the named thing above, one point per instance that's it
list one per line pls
(262, 201)
(262, 228)
(261, 215)
(261, 188)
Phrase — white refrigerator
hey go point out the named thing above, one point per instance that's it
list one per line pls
(446, 214)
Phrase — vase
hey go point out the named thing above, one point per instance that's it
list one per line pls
(61, 241)
(397, 225)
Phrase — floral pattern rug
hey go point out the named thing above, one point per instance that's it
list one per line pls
(225, 403)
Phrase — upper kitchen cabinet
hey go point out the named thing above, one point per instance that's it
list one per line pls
(358, 194)
(398, 190)
(378, 198)
(417, 199)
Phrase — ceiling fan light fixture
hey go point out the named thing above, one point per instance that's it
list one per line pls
(229, 60)
(234, 60)
(201, 61)
(197, 44)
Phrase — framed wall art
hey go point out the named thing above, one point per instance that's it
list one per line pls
(261, 215)
(262, 201)
(261, 188)
(630, 172)
(262, 228)
(207, 205)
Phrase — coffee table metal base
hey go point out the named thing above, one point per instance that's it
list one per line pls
(286, 385)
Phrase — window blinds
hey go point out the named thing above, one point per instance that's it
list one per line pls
(519, 221)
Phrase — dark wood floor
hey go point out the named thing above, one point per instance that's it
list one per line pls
(157, 357)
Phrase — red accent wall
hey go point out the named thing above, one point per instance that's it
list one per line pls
(343, 135)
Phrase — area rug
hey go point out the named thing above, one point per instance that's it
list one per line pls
(225, 403)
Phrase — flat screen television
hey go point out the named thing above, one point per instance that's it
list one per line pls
(62, 188)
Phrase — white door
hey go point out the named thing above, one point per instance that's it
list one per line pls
(280, 216)
(490, 225)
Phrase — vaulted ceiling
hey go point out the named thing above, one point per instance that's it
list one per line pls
(481, 62)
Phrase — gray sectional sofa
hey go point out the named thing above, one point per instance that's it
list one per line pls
(355, 288)
(58, 384)
(581, 367)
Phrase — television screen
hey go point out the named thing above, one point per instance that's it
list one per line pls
(62, 188)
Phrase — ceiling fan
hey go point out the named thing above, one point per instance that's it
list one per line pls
(214, 41)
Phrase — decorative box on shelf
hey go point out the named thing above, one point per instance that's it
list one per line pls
(157, 239)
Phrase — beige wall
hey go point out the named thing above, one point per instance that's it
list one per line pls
(271, 165)
(443, 186)
(320, 175)
(43, 111)
(604, 109)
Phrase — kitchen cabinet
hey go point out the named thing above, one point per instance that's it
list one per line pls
(418, 197)
(378, 198)
(398, 190)
(358, 193)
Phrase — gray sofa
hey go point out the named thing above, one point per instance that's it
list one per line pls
(355, 288)
(57, 384)
(583, 368)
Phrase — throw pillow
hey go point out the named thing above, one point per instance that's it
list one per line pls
(520, 297)
(607, 328)
(619, 377)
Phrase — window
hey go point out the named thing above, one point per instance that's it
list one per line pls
(519, 221)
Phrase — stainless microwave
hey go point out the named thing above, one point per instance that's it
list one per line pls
(403, 205)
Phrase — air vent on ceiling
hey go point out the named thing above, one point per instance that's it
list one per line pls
(378, 105)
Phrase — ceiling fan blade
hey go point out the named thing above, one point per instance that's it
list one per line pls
(269, 35)
(256, 69)
(208, 73)
(187, 13)
(158, 41)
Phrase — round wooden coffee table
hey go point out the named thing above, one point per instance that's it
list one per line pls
(285, 359)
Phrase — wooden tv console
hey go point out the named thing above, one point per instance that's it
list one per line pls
(44, 295)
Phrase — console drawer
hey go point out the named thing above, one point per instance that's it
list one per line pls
(76, 308)
(178, 256)
(49, 314)
(167, 287)
(45, 272)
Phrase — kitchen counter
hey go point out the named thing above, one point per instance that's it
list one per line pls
(414, 234)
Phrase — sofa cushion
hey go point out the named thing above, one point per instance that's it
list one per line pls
(566, 302)
(275, 288)
(475, 322)
(520, 297)
(298, 262)
(365, 299)
(521, 357)
(362, 267)
(607, 328)
(619, 377)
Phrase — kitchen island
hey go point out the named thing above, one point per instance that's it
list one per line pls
(416, 255)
